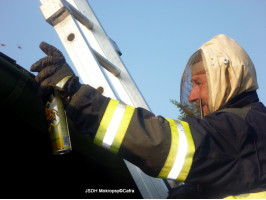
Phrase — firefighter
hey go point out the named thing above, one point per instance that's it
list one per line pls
(221, 155)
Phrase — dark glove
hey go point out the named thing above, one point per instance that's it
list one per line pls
(52, 69)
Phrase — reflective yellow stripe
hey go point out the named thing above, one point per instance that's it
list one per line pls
(173, 150)
(179, 160)
(122, 129)
(258, 195)
(105, 122)
(114, 125)
(190, 153)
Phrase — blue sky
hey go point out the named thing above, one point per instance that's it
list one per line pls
(156, 37)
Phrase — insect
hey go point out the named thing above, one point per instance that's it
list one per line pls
(3, 45)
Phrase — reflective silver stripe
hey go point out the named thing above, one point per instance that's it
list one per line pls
(114, 125)
(181, 153)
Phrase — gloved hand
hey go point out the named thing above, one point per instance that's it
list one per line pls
(52, 69)
(82, 102)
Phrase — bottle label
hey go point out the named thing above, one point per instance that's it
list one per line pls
(57, 125)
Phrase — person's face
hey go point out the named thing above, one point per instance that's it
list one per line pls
(200, 91)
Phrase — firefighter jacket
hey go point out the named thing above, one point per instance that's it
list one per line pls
(224, 153)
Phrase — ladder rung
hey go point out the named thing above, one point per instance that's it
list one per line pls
(107, 64)
(80, 17)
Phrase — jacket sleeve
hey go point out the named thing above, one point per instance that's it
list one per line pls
(160, 147)
(218, 151)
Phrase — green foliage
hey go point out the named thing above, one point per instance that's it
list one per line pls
(186, 110)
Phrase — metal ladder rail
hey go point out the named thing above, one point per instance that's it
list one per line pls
(78, 39)
(101, 42)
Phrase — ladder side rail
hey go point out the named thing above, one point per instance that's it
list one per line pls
(114, 81)
(110, 53)
(107, 46)
(116, 84)
(81, 54)
(148, 186)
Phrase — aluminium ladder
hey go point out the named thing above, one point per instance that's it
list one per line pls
(97, 60)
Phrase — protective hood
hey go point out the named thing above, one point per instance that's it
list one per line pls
(229, 71)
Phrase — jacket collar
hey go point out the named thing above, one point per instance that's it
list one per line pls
(242, 100)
